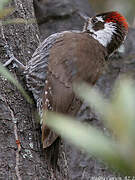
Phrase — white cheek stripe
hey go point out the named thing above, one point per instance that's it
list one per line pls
(104, 36)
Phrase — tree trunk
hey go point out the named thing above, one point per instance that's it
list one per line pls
(21, 154)
(61, 15)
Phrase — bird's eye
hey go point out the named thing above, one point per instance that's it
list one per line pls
(94, 20)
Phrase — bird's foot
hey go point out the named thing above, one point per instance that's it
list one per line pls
(15, 62)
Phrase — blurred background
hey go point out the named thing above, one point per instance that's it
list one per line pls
(127, 8)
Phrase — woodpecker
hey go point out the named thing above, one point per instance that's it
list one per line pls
(69, 56)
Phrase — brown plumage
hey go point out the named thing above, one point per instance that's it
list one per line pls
(72, 58)
(67, 57)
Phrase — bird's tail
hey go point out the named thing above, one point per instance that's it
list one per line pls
(52, 154)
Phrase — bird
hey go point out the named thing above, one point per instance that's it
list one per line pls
(72, 56)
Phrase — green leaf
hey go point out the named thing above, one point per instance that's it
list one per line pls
(118, 113)
(123, 116)
(18, 21)
(124, 99)
(5, 73)
(90, 139)
(5, 11)
(3, 3)
(93, 97)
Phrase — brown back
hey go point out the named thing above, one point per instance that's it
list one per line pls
(73, 57)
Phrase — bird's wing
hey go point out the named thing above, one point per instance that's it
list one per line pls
(76, 56)
(36, 75)
(37, 68)
(56, 98)
(70, 60)
(61, 59)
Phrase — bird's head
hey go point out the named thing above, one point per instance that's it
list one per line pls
(109, 28)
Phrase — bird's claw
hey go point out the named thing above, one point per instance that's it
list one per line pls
(16, 63)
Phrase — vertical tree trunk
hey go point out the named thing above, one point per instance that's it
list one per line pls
(61, 15)
(21, 154)
(17, 118)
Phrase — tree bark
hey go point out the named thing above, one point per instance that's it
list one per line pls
(61, 15)
(21, 153)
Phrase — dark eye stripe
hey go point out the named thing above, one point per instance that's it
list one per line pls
(94, 20)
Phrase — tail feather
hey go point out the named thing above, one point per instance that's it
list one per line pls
(48, 136)
(52, 154)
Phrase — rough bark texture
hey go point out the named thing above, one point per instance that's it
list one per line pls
(55, 16)
(21, 154)
(17, 118)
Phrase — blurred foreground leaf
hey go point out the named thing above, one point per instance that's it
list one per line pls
(119, 116)
(89, 139)
(18, 21)
(4, 11)
(118, 113)
(6, 74)
(3, 3)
